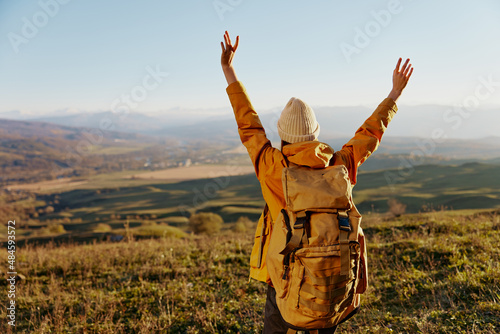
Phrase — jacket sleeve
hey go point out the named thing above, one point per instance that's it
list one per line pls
(251, 131)
(366, 139)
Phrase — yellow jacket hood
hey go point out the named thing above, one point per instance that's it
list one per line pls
(313, 154)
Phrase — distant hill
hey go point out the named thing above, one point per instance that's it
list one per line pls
(32, 151)
(410, 121)
(126, 123)
(37, 129)
(159, 125)
(338, 125)
(467, 186)
(427, 151)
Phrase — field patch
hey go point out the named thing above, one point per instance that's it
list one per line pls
(52, 185)
(194, 172)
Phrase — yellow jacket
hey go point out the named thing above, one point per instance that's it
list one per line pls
(269, 161)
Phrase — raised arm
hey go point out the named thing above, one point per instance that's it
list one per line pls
(400, 78)
(368, 136)
(250, 129)
(227, 56)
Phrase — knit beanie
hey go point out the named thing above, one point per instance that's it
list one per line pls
(297, 122)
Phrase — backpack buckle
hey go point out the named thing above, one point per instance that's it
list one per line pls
(343, 219)
(301, 220)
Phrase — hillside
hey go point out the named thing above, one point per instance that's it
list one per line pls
(468, 186)
(114, 199)
(35, 151)
(36, 129)
(433, 273)
(411, 121)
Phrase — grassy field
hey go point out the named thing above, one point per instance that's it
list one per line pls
(468, 186)
(80, 206)
(435, 272)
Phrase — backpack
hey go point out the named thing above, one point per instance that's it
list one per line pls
(317, 256)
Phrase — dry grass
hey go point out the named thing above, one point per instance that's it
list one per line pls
(430, 273)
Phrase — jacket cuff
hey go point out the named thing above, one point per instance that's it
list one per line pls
(235, 87)
(388, 102)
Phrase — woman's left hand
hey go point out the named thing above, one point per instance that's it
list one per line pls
(228, 50)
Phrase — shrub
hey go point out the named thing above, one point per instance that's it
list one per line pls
(51, 229)
(57, 228)
(101, 227)
(205, 223)
(159, 230)
(396, 207)
(242, 225)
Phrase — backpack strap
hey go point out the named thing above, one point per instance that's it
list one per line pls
(299, 234)
(264, 226)
(345, 228)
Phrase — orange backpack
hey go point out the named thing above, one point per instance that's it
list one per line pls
(317, 255)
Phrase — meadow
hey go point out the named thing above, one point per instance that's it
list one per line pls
(98, 206)
(433, 269)
(434, 272)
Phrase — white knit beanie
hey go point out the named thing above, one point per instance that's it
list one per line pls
(297, 122)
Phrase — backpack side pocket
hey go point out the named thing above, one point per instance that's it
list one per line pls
(363, 265)
(279, 266)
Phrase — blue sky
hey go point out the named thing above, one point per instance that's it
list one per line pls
(85, 54)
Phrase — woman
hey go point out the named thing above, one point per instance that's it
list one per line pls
(298, 130)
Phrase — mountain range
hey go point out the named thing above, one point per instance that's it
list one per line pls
(336, 122)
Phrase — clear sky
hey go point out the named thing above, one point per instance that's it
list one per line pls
(84, 54)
